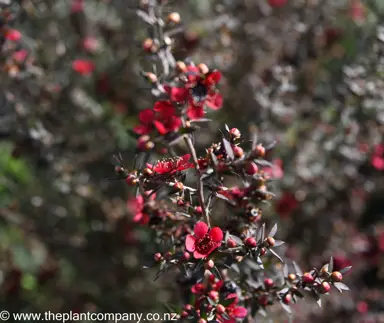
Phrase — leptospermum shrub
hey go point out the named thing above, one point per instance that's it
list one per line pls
(228, 268)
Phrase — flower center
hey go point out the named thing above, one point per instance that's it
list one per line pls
(199, 92)
(204, 244)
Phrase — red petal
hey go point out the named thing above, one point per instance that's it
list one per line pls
(141, 129)
(185, 158)
(13, 34)
(138, 217)
(177, 94)
(215, 101)
(146, 116)
(195, 112)
(198, 255)
(160, 127)
(165, 108)
(200, 229)
(190, 243)
(216, 234)
(213, 78)
(240, 312)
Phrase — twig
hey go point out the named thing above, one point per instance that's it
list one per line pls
(200, 188)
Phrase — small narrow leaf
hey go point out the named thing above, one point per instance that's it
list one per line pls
(297, 269)
(226, 127)
(286, 308)
(341, 286)
(278, 243)
(331, 264)
(276, 255)
(273, 231)
(345, 270)
(228, 149)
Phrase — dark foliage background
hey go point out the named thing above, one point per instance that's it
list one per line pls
(308, 75)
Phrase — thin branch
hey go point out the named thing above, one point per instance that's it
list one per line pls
(200, 188)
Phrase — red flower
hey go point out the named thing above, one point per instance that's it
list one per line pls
(13, 34)
(83, 66)
(204, 241)
(199, 90)
(233, 311)
(173, 165)
(162, 117)
(377, 160)
(137, 206)
(276, 171)
(20, 55)
(286, 204)
(277, 3)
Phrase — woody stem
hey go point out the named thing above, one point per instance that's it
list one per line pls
(200, 188)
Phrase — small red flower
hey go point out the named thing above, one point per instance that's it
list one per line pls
(204, 240)
(172, 165)
(162, 117)
(277, 3)
(276, 171)
(83, 66)
(91, 44)
(137, 207)
(377, 159)
(233, 311)
(13, 35)
(199, 91)
(286, 205)
(20, 55)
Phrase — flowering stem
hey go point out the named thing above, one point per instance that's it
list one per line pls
(200, 188)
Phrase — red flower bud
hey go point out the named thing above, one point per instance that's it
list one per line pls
(270, 241)
(307, 278)
(268, 282)
(178, 186)
(213, 295)
(277, 3)
(251, 168)
(231, 243)
(337, 276)
(174, 17)
(220, 309)
(235, 133)
(250, 242)
(325, 287)
(287, 299)
(158, 257)
(202, 321)
(180, 66)
(259, 151)
(263, 251)
(186, 256)
(209, 264)
(238, 151)
(263, 300)
(148, 45)
(203, 68)
(291, 277)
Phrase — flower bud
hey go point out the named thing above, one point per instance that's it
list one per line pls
(307, 278)
(220, 309)
(287, 299)
(174, 17)
(209, 264)
(157, 257)
(291, 277)
(250, 242)
(270, 241)
(131, 180)
(268, 282)
(186, 256)
(203, 68)
(181, 66)
(147, 171)
(251, 168)
(259, 151)
(263, 300)
(231, 243)
(263, 251)
(325, 287)
(198, 209)
(213, 295)
(235, 133)
(238, 151)
(148, 44)
(337, 276)
(179, 186)
(150, 77)
(202, 321)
